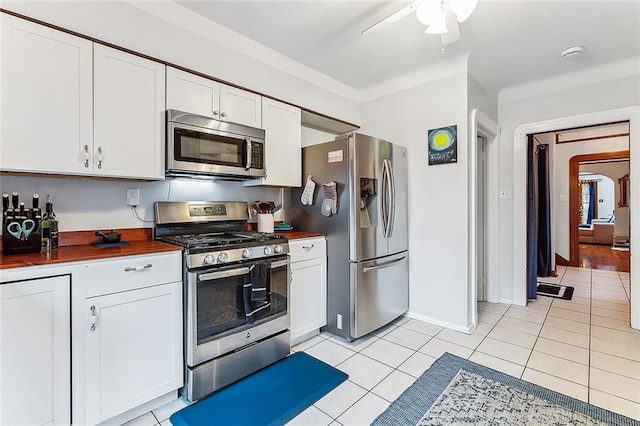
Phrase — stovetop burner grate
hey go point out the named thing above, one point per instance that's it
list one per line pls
(220, 239)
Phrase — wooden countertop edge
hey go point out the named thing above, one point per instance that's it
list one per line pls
(77, 246)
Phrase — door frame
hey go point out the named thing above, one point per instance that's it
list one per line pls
(631, 114)
(481, 125)
(574, 167)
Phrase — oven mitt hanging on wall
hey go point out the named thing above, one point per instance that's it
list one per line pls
(330, 203)
(307, 194)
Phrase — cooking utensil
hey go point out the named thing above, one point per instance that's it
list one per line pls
(276, 208)
(17, 229)
(264, 207)
(110, 237)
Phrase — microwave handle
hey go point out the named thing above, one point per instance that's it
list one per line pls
(247, 141)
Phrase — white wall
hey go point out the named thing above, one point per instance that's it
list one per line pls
(91, 204)
(563, 152)
(602, 96)
(438, 204)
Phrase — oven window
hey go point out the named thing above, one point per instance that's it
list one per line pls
(207, 148)
(222, 304)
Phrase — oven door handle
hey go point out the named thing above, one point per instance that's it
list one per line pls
(236, 272)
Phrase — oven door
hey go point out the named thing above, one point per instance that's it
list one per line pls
(198, 150)
(220, 315)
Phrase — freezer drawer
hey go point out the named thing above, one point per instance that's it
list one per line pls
(380, 292)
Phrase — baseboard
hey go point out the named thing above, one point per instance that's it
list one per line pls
(562, 261)
(507, 301)
(446, 324)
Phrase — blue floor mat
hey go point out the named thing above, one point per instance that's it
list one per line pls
(271, 396)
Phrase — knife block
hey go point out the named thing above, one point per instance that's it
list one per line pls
(21, 244)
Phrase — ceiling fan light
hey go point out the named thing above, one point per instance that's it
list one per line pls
(462, 8)
(438, 26)
(428, 11)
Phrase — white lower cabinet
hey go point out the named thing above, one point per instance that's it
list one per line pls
(35, 351)
(130, 326)
(308, 296)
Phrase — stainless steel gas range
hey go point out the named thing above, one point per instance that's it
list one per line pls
(236, 292)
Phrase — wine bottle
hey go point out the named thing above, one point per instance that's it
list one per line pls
(49, 227)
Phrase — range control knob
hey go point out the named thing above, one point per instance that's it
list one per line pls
(277, 249)
(208, 260)
(268, 250)
(223, 257)
(246, 253)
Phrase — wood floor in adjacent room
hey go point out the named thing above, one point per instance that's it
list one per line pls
(597, 256)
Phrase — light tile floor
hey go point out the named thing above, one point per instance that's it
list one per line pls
(583, 348)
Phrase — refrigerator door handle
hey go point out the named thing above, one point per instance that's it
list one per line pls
(392, 205)
(386, 198)
(383, 265)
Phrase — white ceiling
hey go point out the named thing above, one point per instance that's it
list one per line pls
(510, 42)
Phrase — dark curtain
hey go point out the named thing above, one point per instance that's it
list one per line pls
(539, 256)
(592, 202)
(532, 229)
(544, 212)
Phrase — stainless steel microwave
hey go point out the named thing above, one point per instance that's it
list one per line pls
(200, 146)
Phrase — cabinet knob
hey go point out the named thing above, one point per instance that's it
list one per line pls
(223, 114)
(92, 318)
(99, 157)
(86, 155)
(215, 112)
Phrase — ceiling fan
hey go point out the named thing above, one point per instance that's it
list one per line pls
(440, 17)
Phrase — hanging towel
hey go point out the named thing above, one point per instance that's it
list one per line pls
(256, 292)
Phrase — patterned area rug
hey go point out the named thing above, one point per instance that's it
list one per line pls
(455, 391)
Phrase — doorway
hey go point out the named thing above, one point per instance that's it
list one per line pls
(518, 248)
(481, 225)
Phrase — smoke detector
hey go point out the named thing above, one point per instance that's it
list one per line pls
(572, 52)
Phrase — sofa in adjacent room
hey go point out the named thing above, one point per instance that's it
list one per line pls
(599, 232)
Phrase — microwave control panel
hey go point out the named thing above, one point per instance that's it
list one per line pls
(257, 155)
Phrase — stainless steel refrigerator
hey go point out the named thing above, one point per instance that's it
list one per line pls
(367, 256)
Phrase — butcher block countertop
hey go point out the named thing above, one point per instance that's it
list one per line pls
(77, 246)
(294, 235)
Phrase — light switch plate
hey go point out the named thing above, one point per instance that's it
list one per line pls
(505, 193)
(133, 196)
(563, 197)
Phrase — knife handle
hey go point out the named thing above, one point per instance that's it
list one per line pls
(36, 200)
(14, 199)
(5, 201)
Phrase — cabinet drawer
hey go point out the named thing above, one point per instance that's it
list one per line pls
(129, 273)
(307, 248)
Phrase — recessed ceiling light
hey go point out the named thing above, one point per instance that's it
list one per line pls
(572, 51)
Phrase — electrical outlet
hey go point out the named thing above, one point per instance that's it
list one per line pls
(339, 321)
(133, 196)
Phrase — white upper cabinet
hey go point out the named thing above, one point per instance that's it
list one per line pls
(46, 99)
(198, 95)
(282, 124)
(129, 104)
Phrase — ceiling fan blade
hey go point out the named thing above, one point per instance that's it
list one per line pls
(453, 33)
(393, 18)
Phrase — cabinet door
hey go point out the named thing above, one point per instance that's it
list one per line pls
(240, 106)
(308, 296)
(46, 98)
(191, 93)
(129, 104)
(35, 352)
(134, 352)
(283, 127)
